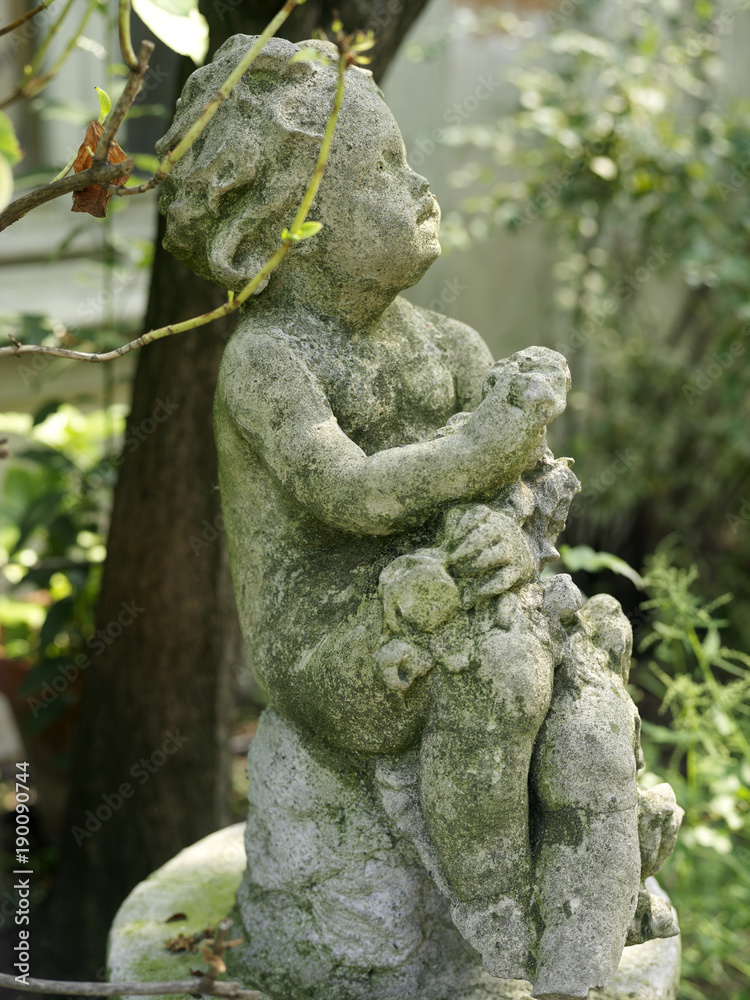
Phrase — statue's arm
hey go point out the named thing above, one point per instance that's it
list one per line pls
(278, 405)
(466, 354)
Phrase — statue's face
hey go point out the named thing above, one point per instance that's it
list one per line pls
(382, 220)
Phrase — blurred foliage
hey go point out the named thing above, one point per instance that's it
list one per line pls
(624, 152)
(56, 495)
(704, 753)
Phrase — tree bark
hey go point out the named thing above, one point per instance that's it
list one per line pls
(156, 706)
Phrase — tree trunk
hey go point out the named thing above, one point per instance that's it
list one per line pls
(150, 768)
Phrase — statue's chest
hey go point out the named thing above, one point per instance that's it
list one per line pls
(386, 393)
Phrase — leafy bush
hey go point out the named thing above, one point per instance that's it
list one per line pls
(624, 151)
(704, 690)
(55, 506)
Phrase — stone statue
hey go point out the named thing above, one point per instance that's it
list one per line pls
(443, 794)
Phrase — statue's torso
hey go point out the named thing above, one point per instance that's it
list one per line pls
(296, 578)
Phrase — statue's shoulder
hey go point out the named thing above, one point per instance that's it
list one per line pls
(464, 350)
(260, 346)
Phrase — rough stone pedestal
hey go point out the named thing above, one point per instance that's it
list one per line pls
(202, 881)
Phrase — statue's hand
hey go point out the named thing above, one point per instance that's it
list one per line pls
(659, 819)
(534, 380)
(481, 540)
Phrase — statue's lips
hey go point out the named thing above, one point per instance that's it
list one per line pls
(428, 210)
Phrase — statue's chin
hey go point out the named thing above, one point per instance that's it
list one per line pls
(430, 256)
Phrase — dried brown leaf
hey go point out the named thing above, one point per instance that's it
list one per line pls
(94, 199)
(215, 961)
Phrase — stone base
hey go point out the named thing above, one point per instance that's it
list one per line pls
(202, 881)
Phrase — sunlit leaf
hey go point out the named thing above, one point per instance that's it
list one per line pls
(583, 557)
(178, 23)
(9, 147)
(6, 183)
(105, 103)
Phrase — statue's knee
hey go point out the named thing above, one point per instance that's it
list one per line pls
(591, 765)
(610, 631)
(520, 671)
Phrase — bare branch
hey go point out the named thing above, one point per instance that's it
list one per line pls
(213, 105)
(25, 17)
(34, 84)
(117, 115)
(204, 984)
(99, 173)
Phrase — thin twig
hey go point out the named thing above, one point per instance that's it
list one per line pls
(35, 84)
(117, 115)
(234, 301)
(25, 17)
(220, 938)
(212, 107)
(41, 52)
(204, 984)
(100, 173)
(126, 45)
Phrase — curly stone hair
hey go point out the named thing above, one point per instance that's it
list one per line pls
(240, 183)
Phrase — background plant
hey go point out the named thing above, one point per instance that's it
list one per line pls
(704, 753)
(625, 151)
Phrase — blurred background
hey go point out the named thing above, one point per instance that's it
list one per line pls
(591, 158)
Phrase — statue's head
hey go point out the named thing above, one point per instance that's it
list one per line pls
(241, 182)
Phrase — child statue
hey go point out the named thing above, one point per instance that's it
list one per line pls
(448, 764)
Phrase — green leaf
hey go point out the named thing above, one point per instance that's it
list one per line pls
(6, 183)
(105, 104)
(8, 143)
(310, 55)
(585, 558)
(146, 162)
(308, 229)
(178, 23)
(51, 406)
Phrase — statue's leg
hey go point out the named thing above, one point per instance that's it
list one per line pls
(473, 787)
(586, 855)
(334, 904)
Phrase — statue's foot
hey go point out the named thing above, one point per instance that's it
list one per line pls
(654, 918)
(659, 819)
(500, 932)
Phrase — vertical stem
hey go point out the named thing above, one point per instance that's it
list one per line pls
(126, 44)
(41, 52)
(325, 148)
